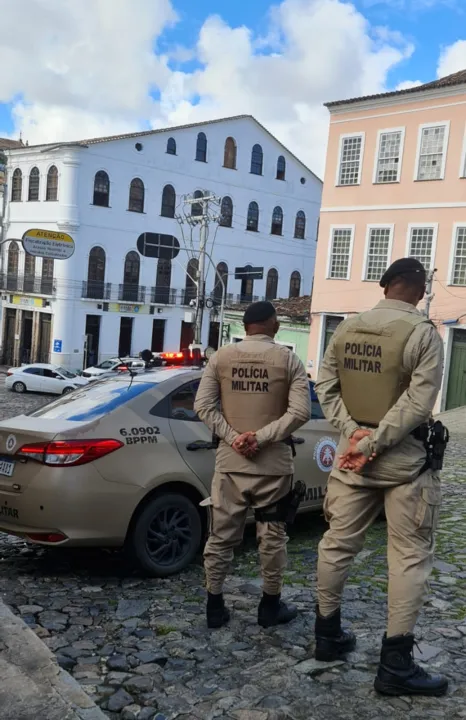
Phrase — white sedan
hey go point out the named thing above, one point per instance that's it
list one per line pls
(109, 368)
(41, 377)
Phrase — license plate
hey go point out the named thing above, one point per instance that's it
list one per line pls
(6, 467)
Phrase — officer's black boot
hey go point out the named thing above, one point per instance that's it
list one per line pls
(217, 613)
(273, 611)
(331, 640)
(398, 674)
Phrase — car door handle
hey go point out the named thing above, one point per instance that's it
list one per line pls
(298, 440)
(201, 445)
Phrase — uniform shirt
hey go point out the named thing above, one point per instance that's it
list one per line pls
(423, 361)
(274, 457)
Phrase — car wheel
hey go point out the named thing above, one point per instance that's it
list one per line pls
(167, 535)
(67, 390)
(19, 387)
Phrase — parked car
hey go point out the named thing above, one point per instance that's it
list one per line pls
(115, 365)
(127, 462)
(44, 378)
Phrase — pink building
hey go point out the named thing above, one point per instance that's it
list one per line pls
(395, 185)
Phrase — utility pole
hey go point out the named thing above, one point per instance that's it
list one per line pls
(200, 299)
(202, 219)
(429, 294)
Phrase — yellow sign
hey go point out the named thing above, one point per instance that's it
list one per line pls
(128, 308)
(48, 244)
(27, 301)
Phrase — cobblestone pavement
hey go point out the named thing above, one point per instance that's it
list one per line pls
(141, 649)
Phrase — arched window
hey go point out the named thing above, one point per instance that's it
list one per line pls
(271, 286)
(222, 270)
(171, 146)
(300, 225)
(12, 266)
(101, 189)
(201, 148)
(281, 168)
(34, 184)
(96, 274)
(136, 196)
(163, 281)
(277, 221)
(247, 285)
(226, 212)
(29, 272)
(196, 208)
(131, 278)
(253, 217)
(257, 160)
(168, 201)
(16, 186)
(46, 281)
(229, 158)
(190, 289)
(51, 192)
(295, 284)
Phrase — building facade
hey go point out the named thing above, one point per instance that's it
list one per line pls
(395, 185)
(113, 196)
(294, 317)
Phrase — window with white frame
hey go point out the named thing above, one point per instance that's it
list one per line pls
(459, 260)
(421, 245)
(350, 160)
(340, 253)
(389, 157)
(431, 152)
(378, 251)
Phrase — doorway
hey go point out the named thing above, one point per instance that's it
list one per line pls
(158, 335)
(187, 334)
(43, 346)
(126, 335)
(93, 338)
(25, 346)
(9, 337)
(214, 334)
(456, 391)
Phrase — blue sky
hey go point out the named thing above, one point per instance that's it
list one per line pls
(80, 70)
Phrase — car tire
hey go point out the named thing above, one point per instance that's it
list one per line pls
(19, 387)
(67, 390)
(162, 551)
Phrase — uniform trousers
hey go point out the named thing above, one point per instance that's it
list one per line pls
(233, 495)
(412, 511)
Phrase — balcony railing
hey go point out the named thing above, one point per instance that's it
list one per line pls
(96, 290)
(132, 293)
(163, 296)
(33, 284)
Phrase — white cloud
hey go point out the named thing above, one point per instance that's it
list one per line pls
(452, 59)
(88, 68)
(408, 84)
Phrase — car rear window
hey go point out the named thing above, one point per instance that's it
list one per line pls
(92, 401)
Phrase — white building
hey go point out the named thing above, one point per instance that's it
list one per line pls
(108, 299)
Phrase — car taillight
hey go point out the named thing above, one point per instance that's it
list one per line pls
(47, 537)
(9, 374)
(66, 453)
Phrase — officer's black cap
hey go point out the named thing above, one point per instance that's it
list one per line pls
(403, 266)
(259, 312)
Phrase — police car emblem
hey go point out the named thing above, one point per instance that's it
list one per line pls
(324, 453)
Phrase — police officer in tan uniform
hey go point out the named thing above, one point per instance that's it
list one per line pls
(264, 394)
(378, 384)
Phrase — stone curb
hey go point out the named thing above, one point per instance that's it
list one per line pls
(33, 686)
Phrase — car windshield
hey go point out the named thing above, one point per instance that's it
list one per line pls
(66, 373)
(92, 402)
(107, 365)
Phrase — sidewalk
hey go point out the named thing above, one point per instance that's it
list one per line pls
(33, 686)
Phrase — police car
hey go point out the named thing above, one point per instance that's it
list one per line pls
(126, 462)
